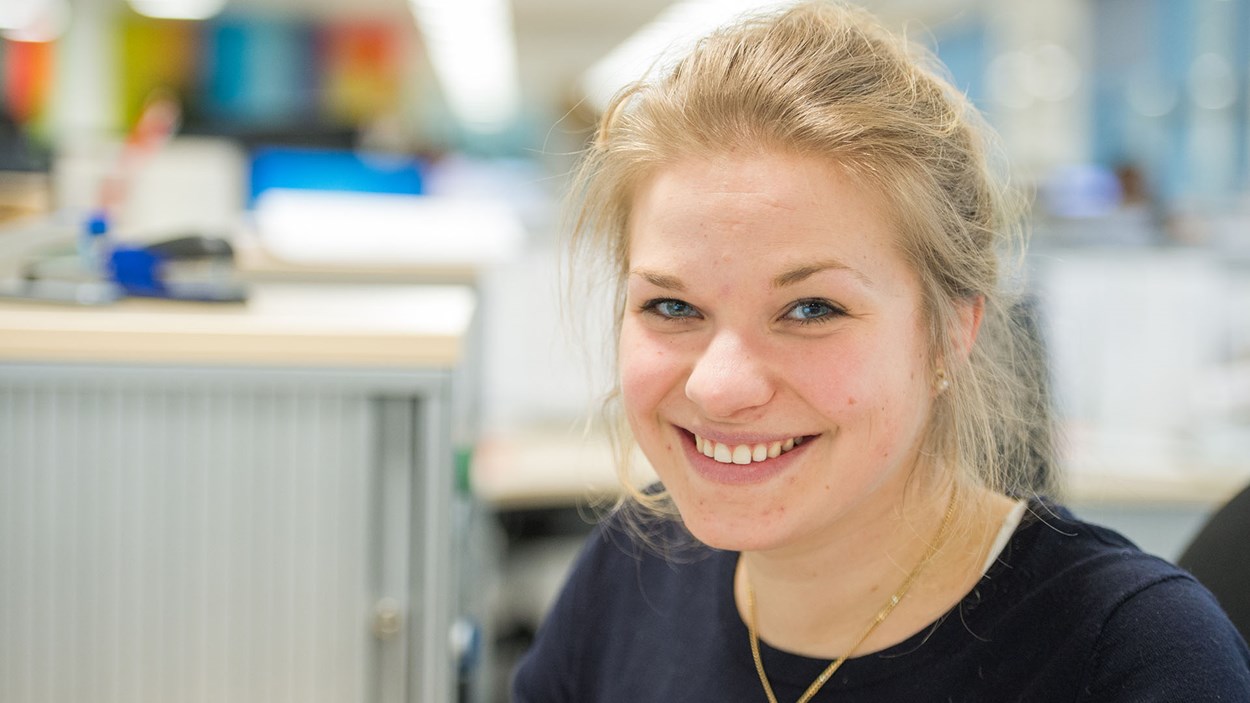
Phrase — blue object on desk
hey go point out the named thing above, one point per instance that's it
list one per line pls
(135, 269)
(140, 271)
(92, 243)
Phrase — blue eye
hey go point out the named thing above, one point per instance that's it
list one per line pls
(806, 311)
(669, 308)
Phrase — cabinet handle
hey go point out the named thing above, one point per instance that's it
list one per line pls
(387, 619)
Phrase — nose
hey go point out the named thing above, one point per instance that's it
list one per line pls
(728, 379)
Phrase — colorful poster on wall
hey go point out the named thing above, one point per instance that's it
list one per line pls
(27, 79)
(259, 71)
(362, 65)
(157, 56)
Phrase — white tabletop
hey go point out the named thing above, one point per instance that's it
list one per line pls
(280, 324)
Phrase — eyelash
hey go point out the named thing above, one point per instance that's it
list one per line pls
(834, 311)
(654, 305)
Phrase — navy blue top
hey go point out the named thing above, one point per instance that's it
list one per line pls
(1069, 612)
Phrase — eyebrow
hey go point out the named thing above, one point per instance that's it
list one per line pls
(801, 273)
(789, 278)
(660, 280)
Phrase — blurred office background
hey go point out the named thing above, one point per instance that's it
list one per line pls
(403, 142)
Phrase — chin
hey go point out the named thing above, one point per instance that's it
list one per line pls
(733, 530)
(749, 511)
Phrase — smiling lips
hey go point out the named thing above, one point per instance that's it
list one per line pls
(744, 453)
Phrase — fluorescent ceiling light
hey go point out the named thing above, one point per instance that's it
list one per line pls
(17, 14)
(178, 9)
(33, 20)
(472, 51)
(674, 30)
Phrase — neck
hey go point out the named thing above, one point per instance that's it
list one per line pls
(816, 599)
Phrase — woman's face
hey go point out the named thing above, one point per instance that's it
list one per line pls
(773, 359)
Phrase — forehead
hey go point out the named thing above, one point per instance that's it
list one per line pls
(764, 209)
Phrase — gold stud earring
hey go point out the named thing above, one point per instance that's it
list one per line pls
(941, 382)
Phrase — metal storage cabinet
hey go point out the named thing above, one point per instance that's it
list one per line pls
(184, 521)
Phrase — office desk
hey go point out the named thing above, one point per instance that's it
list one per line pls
(550, 468)
(242, 503)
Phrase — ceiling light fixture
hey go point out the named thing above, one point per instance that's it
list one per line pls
(178, 9)
(472, 51)
(673, 30)
(33, 20)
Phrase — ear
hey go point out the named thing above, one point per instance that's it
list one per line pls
(971, 311)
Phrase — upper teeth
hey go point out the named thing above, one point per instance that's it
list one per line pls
(744, 453)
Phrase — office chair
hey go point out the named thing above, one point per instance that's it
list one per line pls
(1218, 556)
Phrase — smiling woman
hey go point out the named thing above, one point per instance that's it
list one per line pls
(817, 357)
(767, 305)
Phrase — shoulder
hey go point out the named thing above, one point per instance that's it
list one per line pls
(1096, 566)
(631, 565)
(629, 592)
(550, 670)
(627, 556)
(1052, 547)
(1146, 630)
(1168, 640)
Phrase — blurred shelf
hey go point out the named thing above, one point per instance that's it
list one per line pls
(286, 325)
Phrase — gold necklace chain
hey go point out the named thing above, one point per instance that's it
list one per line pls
(882, 614)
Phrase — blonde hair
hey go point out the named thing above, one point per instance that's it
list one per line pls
(825, 79)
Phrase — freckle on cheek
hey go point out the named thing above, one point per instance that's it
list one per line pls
(851, 400)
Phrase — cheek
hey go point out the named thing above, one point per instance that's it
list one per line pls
(841, 381)
(649, 371)
(863, 385)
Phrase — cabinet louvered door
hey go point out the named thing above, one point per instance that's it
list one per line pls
(186, 538)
